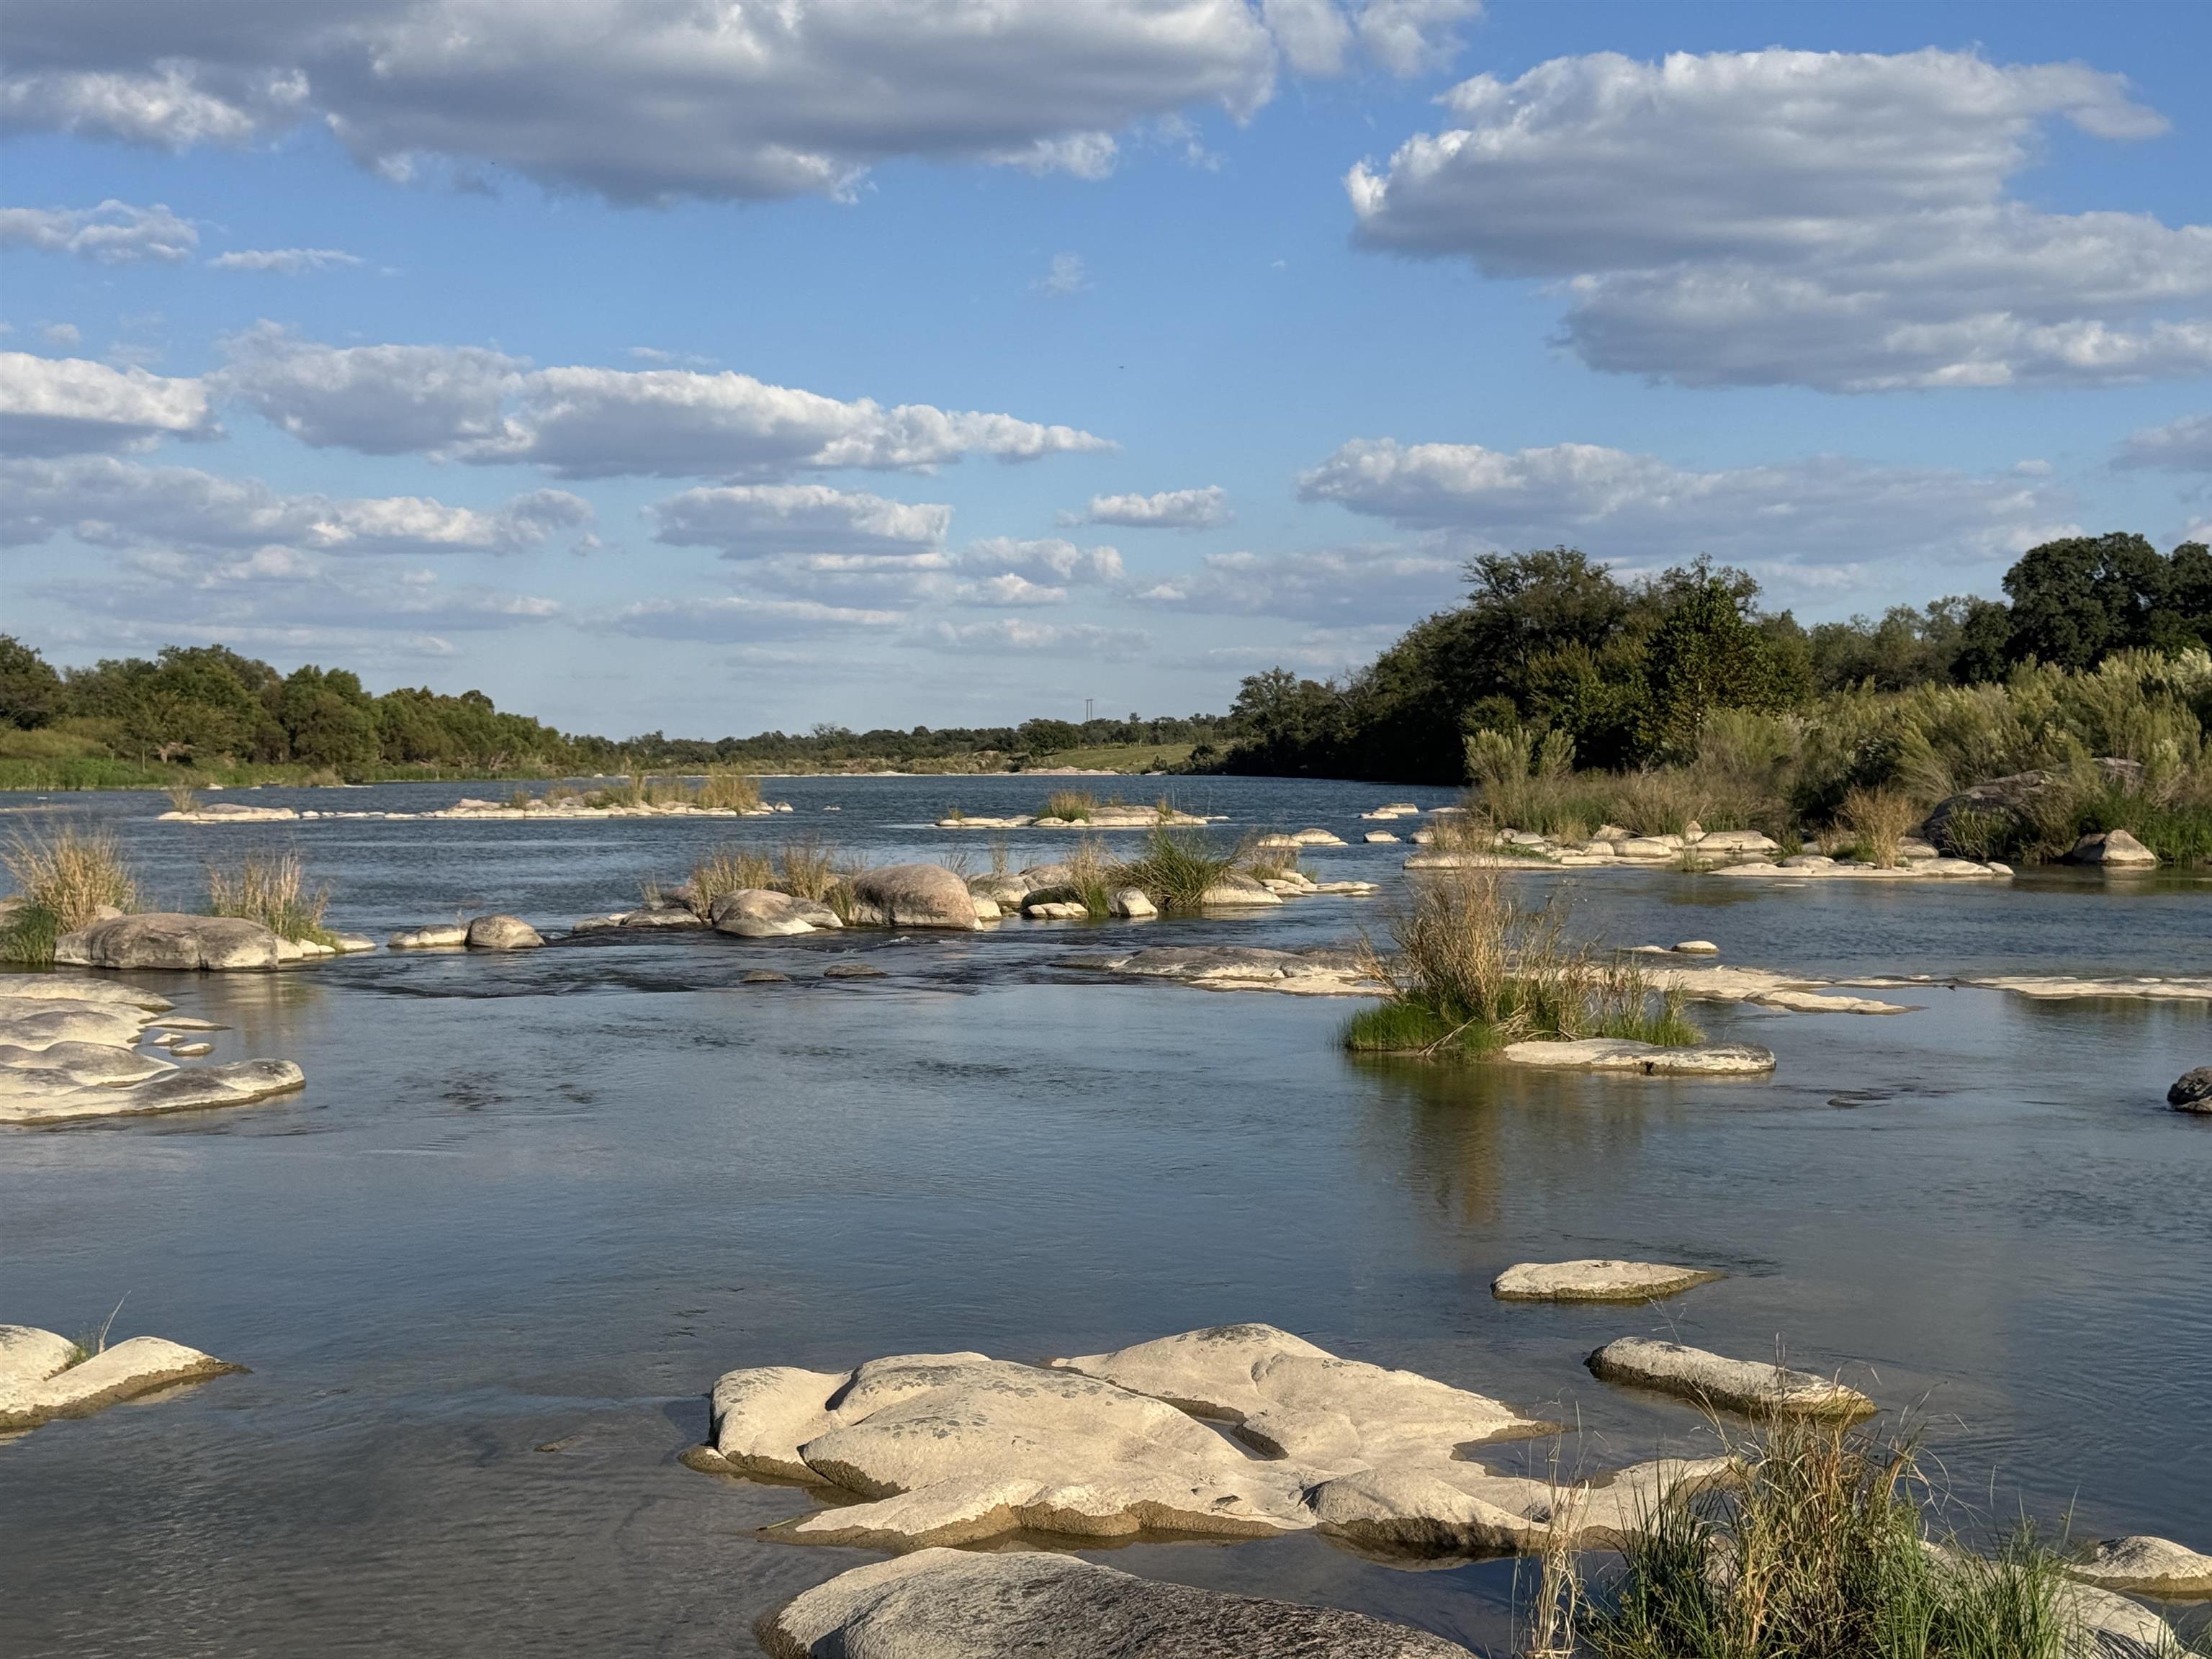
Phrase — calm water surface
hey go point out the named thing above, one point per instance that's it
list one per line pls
(486, 1265)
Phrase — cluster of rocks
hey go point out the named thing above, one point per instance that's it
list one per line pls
(1392, 809)
(191, 943)
(575, 807)
(1727, 851)
(491, 932)
(1108, 814)
(2012, 801)
(71, 1048)
(43, 1375)
(950, 1449)
(1295, 839)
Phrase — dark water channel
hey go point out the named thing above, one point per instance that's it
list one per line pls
(485, 1267)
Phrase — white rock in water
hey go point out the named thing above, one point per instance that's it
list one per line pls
(762, 913)
(169, 940)
(954, 1604)
(1233, 891)
(1317, 837)
(77, 987)
(1132, 903)
(957, 1448)
(1698, 947)
(350, 943)
(38, 1382)
(1651, 1059)
(1595, 1280)
(1378, 837)
(2113, 849)
(1740, 1385)
(915, 895)
(439, 935)
(501, 932)
(2154, 1566)
(1643, 847)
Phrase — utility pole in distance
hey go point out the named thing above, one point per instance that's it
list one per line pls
(1087, 701)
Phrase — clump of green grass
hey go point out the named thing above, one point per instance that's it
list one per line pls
(274, 892)
(63, 879)
(1175, 870)
(1264, 863)
(1093, 875)
(89, 1342)
(1475, 970)
(809, 868)
(183, 797)
(1076, 805)
(1815, 1550)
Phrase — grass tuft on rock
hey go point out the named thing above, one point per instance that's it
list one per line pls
(728, 869)
(1475, 970)
(1076, 805)
(63, 879)
(1174, 870)
(273, 892)
(1816, 1550)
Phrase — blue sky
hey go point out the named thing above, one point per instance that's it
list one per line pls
(899, 363)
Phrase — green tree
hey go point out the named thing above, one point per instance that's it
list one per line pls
(328, 719)
(1707, 652)
(1043, 737)
(2076, 600)
(30, 690)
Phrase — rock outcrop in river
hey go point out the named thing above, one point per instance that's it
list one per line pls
(2191, 1092)
(913, 895)
(43, 1375)
(162, 939)
(951, 1602)
(68, 1048)
(951, 1448)
(1595, 1281)
(1739, 1385)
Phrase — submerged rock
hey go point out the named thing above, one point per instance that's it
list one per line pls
(913, 895)
(853, 970)
(1132, 903)
(1319, 972)
(39, 1382)
(1741, 1385)
(501, 932)
(170, 940)
(447, 935)
(951, 1604)
(2191, 1092)
(957, 1448)
(1596, 1280)
(2153, 1566)
(1651, 1059)
(765, 976)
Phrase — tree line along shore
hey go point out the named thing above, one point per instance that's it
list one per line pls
(1568, 696)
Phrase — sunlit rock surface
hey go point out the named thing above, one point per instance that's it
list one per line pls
(952, 1449)
(1595, 1280)
(38, 1380)
(71, 1047)
(950, 1604)
(2155, 1566)
(1742, 1385)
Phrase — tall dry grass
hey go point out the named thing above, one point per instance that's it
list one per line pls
(1881, 819)
(272, 891)
(1474, 970)
(64, 878)
(728, 869)
(1175, 870)
(1076, 805)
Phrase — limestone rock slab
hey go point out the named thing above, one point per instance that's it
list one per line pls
(2153, 1566)
(1740, 1385)
(1651, 1059)
(761, 913)
(438, 936)
(39, 1383)
(502, 932)
(1595, 1280)
(949, 1604)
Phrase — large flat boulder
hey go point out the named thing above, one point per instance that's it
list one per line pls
(1741, 1385)
(41, 1376)
(1325, 971)
(166, 939)
(762, 913)
(1600, 1281)
(913, 895)
(2149, 1566)
(77, 988)
(2114, 849)
(68, 1048)
(959, 1448)
(1649, 1059)
(438, 936)
(1233, 890)
(949, 1604)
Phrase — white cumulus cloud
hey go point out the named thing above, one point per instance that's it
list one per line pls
(2182, 446)
(472, 404)
(729, 618)
(1362, 584)
(1168, 509)
(114, 233)
(1828, 219)
(1019, 634)
(747, 521)
(1820, 511)
(72, 405)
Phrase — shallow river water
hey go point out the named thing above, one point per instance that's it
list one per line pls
(486, 1265)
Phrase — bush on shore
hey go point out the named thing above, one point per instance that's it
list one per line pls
(63, 879)
(1475, 971)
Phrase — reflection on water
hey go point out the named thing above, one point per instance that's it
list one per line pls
(484, 1266)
